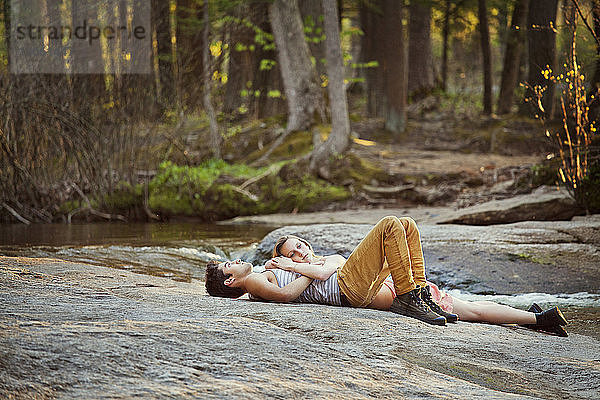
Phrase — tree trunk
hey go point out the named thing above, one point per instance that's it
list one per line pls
(372, 50)
(595, 83)
(137, 92)
(512, 56)
(266, 80)
(596, 14)
(241, 63)
(88, 88)
(299, 75)
(189, 51)
(312, 17)
(338, 139)
(161, 18)
(446, 35)
(541, 24)
(395, 73)
(487, 58)
(420, 66)
(215, 137)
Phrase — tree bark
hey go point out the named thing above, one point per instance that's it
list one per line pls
(339, 138)
(215, 137)
(266, 80)
(512, 56)
(595, 83)
(88, 89)
(541, 34)
(395, 73)
(302, 90)
(487, 57)
(189, 51)
(312, 17)
(596, 15)
(161, 18)
(420, 66)
(241, 63)
(445, 35)
(372, 50)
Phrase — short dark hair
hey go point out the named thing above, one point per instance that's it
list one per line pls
(215, 282)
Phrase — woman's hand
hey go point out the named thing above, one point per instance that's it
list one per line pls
(282, 263)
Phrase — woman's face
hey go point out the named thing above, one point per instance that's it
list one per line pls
(297, 250)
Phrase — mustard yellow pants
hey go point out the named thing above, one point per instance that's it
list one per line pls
(393, 247)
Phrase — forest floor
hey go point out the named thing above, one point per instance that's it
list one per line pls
(444, 159)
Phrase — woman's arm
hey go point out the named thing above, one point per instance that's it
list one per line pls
(258, 285)
(316, 271)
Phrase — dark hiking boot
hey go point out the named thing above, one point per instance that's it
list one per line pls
(411, 305)
(551, 317)
(552, 320)
(435, 307)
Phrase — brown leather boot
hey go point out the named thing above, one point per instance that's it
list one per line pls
(411, 305)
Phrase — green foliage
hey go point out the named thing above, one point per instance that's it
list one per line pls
(261, 38)
(298, 194)
(212, 191)
(312, 32)
(125, 197)
(266, 64)
(180, 189)
(545, 173)
(370, 64)
(576, 141)
(591, 188)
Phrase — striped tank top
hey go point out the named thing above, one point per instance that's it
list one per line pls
(319, 292)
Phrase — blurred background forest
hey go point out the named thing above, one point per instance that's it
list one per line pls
(284, 106)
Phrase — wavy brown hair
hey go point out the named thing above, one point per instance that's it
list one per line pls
(279, 243)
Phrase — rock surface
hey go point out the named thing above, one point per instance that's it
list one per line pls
(542, 205)
(545, 204)
(70, 330)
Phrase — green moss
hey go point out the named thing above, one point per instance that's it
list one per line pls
(302, 194)
(295, 145)
(212, 191)
(125, 197)
(534, 258)
(357, 170)
(69, 206)
(182, 190)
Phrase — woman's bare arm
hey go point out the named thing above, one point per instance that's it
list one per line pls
(258, 285)
(316, 271)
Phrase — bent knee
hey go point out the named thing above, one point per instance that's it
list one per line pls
(408, 223)
(390, 223)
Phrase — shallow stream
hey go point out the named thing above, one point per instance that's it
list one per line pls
(180, 251)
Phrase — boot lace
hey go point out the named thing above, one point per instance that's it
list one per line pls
(420, 303)
(426, 297)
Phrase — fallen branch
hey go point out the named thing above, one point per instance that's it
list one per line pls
(255, 179)
(91, 210)
(245, 193)
(150, 214)
(272, 147)
(387, 190)
(15, 214)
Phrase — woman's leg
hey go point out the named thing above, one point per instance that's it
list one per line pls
(417, 261)
(493, 313)
(361, 277)
(383, 299)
